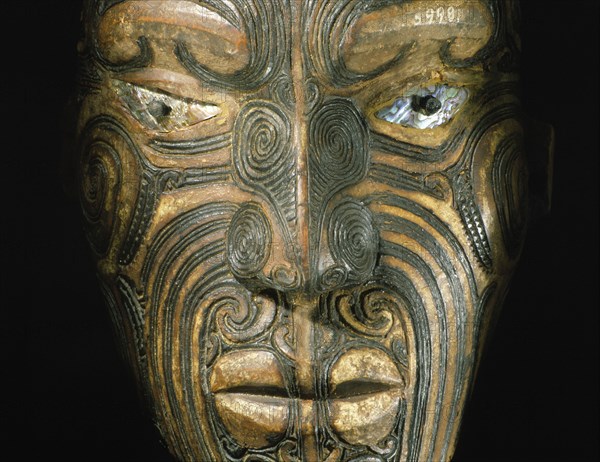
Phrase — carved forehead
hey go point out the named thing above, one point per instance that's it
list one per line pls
(212, 35)
(374, 37)
(357, 27)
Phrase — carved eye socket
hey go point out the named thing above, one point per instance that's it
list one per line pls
(163, 112)
(426, 107)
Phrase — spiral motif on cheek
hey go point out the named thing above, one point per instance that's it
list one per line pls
(261, 144)
(353, 240)
(248, 241)
(339, 143)
(100, 184)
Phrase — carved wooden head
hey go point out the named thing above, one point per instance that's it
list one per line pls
(305, 214)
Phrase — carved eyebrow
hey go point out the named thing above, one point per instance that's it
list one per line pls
(458, 28)
(213, 38)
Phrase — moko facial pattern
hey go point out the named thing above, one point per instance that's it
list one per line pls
(304, 215)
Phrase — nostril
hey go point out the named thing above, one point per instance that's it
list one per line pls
(287, 278)
(333, 277)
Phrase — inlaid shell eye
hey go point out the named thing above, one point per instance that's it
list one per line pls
(426, 107)
(163, 112)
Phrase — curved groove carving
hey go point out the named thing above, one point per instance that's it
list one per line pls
(353, 240)
(192, 147)
(93, 12)
(502, 50)
(509, 182)
(106, 132)
(472, 219)
(263, 156)
(185, 250)
(100, 187)
(299, 286)
(266, 30)
(414, 247)
(338, 151)
(248, 241)
(332, 19)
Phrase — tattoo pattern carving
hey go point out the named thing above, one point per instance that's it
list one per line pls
(301, 241)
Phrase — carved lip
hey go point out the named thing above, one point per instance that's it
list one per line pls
(257, 374)
(360, 387)
(352, 389)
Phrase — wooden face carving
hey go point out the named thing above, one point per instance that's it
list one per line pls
(305, 214)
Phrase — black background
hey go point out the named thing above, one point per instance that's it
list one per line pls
(69, 397)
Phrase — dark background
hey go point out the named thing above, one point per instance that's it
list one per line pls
(69, 397)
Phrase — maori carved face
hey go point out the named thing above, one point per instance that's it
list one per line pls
(305, 214)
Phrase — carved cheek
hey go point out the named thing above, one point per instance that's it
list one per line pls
(109, 180)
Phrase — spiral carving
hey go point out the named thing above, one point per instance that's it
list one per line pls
(371, 313)
(100, 185)
(261, 141)
(339, 139)
(241, 317)
(248, 241)
(94, 188)
(283, 91)
(333, 277)
(313, 95)
(262, 154)
(353, 240)
(339, 142)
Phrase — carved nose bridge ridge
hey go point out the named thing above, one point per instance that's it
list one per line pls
(296, 153)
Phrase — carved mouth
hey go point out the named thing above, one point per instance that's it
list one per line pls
(259, 416)
(347, 390)
(251, 392)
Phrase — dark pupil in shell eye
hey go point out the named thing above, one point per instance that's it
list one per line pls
(427, 105)
(159, 109)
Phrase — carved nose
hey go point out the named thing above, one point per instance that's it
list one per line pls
(254, 256)
(301, 236)
(350, 254)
